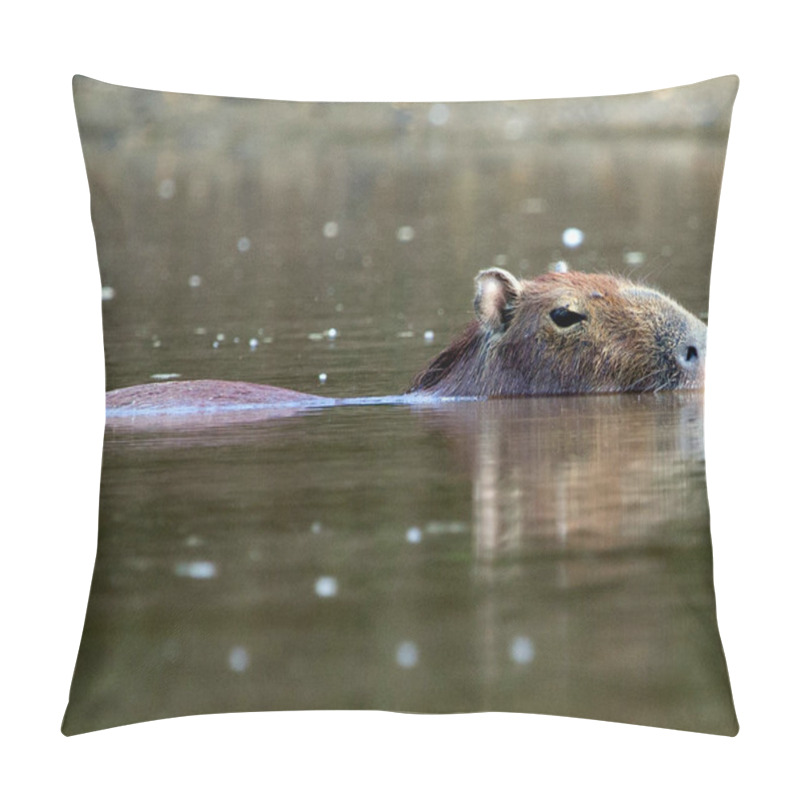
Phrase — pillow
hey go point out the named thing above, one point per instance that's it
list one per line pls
(548, 554)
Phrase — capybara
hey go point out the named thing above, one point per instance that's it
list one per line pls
(568, 333)
(559, 333)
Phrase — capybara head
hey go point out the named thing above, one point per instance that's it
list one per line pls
(568, 333)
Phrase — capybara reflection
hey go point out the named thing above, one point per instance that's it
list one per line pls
(559, 333)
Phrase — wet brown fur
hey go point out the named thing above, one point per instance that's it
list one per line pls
(632, 339)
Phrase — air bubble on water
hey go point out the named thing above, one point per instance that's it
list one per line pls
(156, 342)
(326, 586)
(558, 266)
(195, 281)
(243, 245)
(107, 293)
(166, 189)
(572, 237)
(201, 331)
(429, 336)
(407, 655)
(330, 230)
(521, 650)
(405, 233)
(633, 258)
(200, 570)
(439, 114)
(220, 337)
(316, 337)
(405, 334)
(193, 541)
(253, 343)
(414, 535)
(215, 345)
(323, 376)
(316, 527)
(236, 340)
(332, 333)
(238, 659)
(165, 376)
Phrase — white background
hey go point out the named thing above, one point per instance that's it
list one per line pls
(53, 416)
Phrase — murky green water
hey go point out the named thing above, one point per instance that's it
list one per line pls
(548, 555)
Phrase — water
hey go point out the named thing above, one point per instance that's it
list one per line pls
(549, 555)
(560, 563)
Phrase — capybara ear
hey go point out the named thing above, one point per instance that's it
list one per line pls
(496, 296)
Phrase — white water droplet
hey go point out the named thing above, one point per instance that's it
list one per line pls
(414, 535)
(572, 237)
(633, 258)
(439, 114)
(405, 233)
(521, 650)
(330, 230)
(238, 659)
(108, 293)
(243, 245)
(200, 570)
(407, 655)
(326, 586)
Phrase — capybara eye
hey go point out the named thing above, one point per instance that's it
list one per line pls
(565, 318)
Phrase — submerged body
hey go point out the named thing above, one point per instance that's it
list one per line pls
(559, 333)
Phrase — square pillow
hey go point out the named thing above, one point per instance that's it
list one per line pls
(540, 546)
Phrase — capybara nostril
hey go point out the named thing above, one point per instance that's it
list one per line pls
(689, 356)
